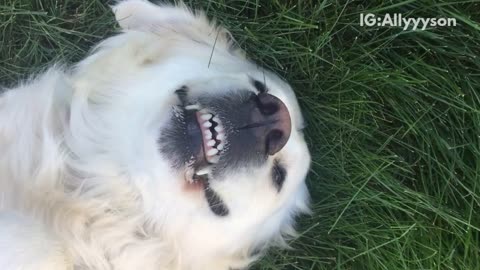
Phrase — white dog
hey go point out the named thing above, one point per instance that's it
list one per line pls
(164, 149)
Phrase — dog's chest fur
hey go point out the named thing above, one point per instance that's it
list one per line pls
(34, 180)
(99, 227)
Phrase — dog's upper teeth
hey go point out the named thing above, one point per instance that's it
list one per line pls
(216, 119)
(204, 171)
(192, 107)
(220, 136)
(211, 143)
(208, 134)
(220, 146)
(213, 159)
(207, 124)
(206, 116)
(212, 152)
(219, 128)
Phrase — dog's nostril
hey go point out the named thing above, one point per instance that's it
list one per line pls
(274, 141)
(269, 108)
(267, 104)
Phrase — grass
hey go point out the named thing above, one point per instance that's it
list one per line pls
(394, 117)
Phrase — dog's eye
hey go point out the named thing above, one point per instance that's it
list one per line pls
(261, 88)
(278, 175)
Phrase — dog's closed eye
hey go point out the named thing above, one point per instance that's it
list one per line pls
(261, 87)
(279, 173)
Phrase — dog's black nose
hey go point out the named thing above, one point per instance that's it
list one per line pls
(272, 122)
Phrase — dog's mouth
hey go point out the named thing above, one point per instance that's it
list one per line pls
(209, 136)
(197, 138)
(207, 141)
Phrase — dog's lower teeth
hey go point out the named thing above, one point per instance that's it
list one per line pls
(211, 143)
(203, 171)
(192, 107)
(207, 124)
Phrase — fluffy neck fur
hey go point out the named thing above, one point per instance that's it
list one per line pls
(99, 218)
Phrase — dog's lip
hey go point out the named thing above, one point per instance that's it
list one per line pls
(194, 182)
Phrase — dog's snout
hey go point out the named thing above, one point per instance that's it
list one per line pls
(255, 125)
(275, 122)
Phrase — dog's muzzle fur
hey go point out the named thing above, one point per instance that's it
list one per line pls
(214, 133)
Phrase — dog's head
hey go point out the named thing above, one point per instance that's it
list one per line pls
(213, 143)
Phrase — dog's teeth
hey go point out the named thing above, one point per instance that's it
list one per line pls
(219, 128)
(203, 111)
(212, 152)
(208, 134)
(206, 116)
(211, 143)
(213, 159)
(220, 136)
(220, 146)
(207, 124)
(193, 107)
(216, 119)
(204, 171)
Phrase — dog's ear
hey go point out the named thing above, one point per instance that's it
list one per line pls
(143, 15)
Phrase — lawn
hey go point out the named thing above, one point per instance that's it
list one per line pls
(393, 117)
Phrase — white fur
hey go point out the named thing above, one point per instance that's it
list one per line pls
(82, 183)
